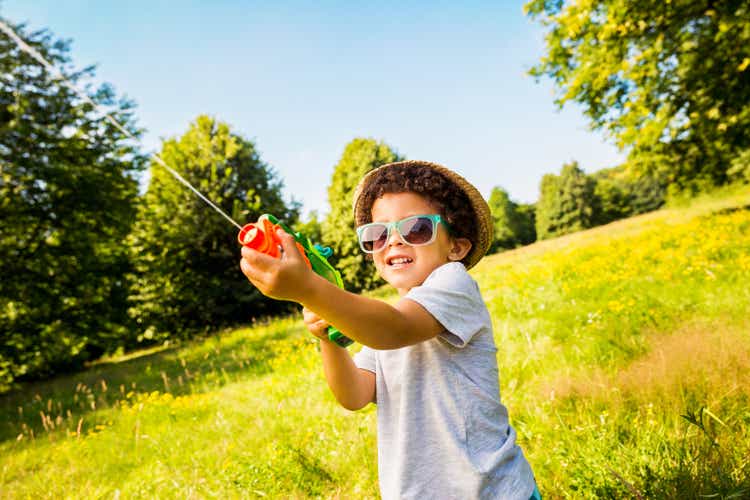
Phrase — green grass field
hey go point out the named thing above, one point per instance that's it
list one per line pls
(624, 356)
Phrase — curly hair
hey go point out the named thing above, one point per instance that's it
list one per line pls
(451, 202)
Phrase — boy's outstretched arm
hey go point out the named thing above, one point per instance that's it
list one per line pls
(370, 322)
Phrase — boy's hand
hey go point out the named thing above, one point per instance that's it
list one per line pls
(317, 325)
(285, 278)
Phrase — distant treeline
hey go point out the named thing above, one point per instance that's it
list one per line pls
(92, 267)
(572, 201)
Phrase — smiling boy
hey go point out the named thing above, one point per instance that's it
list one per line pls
(428, 361)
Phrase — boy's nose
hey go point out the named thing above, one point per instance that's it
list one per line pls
(394, 238)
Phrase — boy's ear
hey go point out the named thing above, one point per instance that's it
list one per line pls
(460, 249)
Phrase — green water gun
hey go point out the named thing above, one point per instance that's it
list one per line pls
(261, 236)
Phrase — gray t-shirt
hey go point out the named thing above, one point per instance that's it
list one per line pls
(442, 431)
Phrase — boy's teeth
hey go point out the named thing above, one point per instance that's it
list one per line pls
(401, 260)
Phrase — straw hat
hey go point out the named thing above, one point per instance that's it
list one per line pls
(480, 242)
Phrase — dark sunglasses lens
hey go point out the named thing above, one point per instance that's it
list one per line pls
(373, 237)
(417, 231)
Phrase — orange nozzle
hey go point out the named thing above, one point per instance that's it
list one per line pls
(261, 236)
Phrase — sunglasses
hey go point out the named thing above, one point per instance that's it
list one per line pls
(417, 230)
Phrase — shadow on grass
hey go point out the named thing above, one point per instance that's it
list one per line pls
(685, 485)
(709, 466)
(196, 367)
(729, 210)
(711, 463)
(707, 470)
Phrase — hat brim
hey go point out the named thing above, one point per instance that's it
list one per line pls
(478, 204)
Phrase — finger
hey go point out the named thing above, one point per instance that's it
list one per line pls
(312, 316)
(309, 316)
(320, 331)
(258, 259)
(254, 274)
(288, 244)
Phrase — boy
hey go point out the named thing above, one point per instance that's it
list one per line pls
(428, 361)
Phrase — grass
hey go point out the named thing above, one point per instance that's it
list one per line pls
(624, 356)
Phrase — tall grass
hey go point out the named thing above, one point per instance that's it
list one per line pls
(624, 356)
(608, 337)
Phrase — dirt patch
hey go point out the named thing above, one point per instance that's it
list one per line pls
(710, 360)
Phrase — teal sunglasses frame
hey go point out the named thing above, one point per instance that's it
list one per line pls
(434, 218)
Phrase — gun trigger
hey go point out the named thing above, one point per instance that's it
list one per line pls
(324, 251)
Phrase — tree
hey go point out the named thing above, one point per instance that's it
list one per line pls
(67, 196)
(740, 169)
(548, 206)
(360, 156)
(185, 254)
(669, 81)
(527, 217)
(566, 202)
(503, 217)
(311, 228)
(507, 221)
(619, 194)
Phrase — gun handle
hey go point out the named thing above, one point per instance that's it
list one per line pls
(338, 338)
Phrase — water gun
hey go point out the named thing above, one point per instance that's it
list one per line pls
(261, 236)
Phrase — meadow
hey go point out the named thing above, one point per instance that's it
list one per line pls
(624, 356)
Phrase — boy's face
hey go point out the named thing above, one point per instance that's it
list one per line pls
(420, 260)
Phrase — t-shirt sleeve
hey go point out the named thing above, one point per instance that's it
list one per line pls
(452, 297)
(365, 359)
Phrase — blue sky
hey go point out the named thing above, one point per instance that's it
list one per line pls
(439, 81)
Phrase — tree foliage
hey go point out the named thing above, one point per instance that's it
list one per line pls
(527, 214)
(513, 223)
(619, 194)
(566, 202)
(67, 197)
(311, 228)
(360, 156)
(668, 80)
(740, 170)
(184, 253)
(503, 218)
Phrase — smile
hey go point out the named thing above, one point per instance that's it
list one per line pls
(399, 260)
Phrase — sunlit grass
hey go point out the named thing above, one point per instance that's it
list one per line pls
(624, 356)
(223, 417)
(607, 337)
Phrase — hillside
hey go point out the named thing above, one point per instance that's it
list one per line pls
(624, 356)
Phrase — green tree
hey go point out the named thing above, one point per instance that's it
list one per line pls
(67, 196)
(312, 227)
(566, 202)
(668, 80)
(185, 254)
(506, 220)
(360, 156)
(548, 206)
(619, 194)
(740, 169)
(527, 223)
